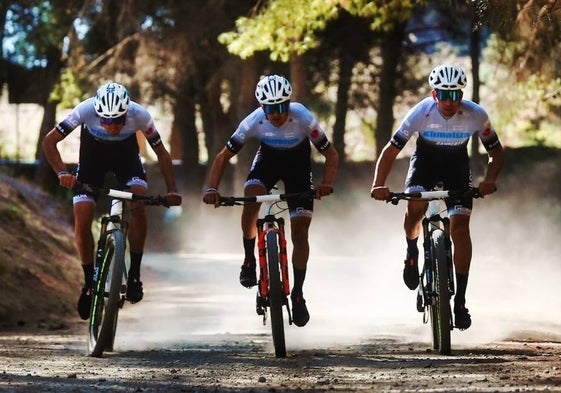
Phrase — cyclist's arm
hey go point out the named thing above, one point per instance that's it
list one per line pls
(52, 154)
(211, 195)
(383, 168)
(329, 171)
(494, 166)
(166, 168)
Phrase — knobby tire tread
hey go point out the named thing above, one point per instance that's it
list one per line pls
(275, 294)
(102, 331)
(443, 312)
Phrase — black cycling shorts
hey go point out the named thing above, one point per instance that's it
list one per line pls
(98, 158)
(292, 167)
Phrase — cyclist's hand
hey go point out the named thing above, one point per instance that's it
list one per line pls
(323, 190)
(380, 193)
(487, 187)
(66, 180)
(174, 199)
(211, 197)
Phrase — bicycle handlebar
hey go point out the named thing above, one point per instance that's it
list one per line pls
(395, 197)
(233, 200)
(152, 200)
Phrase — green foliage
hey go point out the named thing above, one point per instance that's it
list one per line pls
(70, 91)
(523, 111)
(384, 14)
(284, 27)
(287, 27)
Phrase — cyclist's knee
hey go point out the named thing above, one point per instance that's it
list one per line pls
(299, 228)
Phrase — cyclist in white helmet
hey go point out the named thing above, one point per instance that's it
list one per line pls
(285, 130)
(444, 123)
(109, 122)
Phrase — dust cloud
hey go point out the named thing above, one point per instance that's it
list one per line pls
(354, 288)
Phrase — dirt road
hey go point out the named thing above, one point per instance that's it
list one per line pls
(197, 331)
(56, 363)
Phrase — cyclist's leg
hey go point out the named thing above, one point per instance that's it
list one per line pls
(138, 221)
(127, 166)
(299, 227)
(412, 219)
(412, 227)
(83, 218)
(462, 251)
(250, 211)
(419, 178)
(90, 171)
(461, 238)
(299, 179)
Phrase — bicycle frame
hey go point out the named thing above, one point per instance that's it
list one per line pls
(266, 225)
(110, 275)
(274, 285)
(436, 281)
(437, 278)
(111, 271)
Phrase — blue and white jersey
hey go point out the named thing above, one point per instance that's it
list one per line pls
(300, 126)
(439, 136)
(138, 119)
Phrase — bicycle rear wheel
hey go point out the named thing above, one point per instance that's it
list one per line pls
(107, 295)
(275, 294)
(441, 321)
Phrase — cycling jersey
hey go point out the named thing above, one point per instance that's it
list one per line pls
(301, 125)
(101, 153)
(284, 152)
(441, 153)
(138, 119)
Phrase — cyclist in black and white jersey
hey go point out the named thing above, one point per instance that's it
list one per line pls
(109, 122)
(285, 130)
(444, 123)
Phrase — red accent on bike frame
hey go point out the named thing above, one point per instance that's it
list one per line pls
(263, 270)
(283, 260)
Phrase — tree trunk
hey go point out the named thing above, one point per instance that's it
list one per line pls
(44, 174)
(250, 72)
(184, 134)
(391, 51)
(346, 64)
(474, 52)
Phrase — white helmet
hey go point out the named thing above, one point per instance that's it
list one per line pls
(447, 77)
(273, 89)
(112, 100)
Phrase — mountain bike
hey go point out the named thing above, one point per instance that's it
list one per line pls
(273, 285)
(436, 279)
(111, 269)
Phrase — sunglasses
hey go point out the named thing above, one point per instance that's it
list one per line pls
(276, 108)
(118, 121)
(454, 95)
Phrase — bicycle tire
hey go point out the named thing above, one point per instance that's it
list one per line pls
(107, 295)
(275, 294)
(441, 319)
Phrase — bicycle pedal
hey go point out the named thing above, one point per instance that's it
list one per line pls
(420, 305)
(260, 305)
(289, 313)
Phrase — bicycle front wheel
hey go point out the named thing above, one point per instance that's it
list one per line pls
(441, 319)
(275, 294)
(107, 295)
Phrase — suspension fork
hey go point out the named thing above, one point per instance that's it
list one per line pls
(283, 257)
(449, 258)
(426, 250)
(262, 251)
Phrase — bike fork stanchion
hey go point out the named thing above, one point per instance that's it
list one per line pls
(263, 283)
